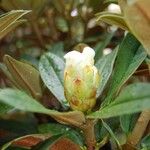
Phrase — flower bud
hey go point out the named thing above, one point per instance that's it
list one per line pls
(81, 79)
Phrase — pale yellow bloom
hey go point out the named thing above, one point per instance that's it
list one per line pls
(81, 79)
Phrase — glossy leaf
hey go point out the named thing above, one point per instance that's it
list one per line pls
(22, 101)
(105, 68)
(129, 58)
(111, 133)
(55, 129)
(25, 75)
(51, 69)
(132, 99)
(4, 108)
(11, 20)
(113, 19)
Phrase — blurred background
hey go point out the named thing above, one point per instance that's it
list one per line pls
(58, 26)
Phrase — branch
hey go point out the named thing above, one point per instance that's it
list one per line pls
(138, 130)
(89, 134)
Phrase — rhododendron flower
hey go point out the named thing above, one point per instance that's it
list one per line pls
(81, 79)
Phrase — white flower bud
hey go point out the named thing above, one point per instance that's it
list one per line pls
(81, 79)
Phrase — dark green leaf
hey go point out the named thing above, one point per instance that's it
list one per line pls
(4, 108)
(111, 133)
(145, 143)
(55, 129)
(51, 69)
(127, 122)
(105, 67)
(130, 56)
(132, 99)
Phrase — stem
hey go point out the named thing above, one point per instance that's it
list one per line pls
(139, 129)
(89, 133)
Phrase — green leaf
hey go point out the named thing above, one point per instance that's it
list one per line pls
(145, 143)
(132, 99)
(127, 122)
(51, 69)
(11, 20)
(112, 19)
(55, 129)
(101, 45)
(4, 108)
(105, 67)
(22, 101)
(129, 58)
(25, 75)
(111, 133)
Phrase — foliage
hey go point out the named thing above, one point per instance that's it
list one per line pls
(34, 112)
